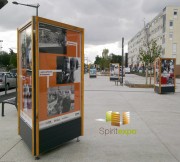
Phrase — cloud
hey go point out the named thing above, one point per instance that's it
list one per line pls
(155, 6)
(105, 21)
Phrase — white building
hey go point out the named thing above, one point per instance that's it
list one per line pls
(165, 29)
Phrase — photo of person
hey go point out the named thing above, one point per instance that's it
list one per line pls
(71, 70)
(52, 39)
(167, 71)
(60, 100)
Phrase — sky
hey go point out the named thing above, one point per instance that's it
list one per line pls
(105, 21)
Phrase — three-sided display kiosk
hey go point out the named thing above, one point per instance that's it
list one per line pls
(114, 71)
(50, 84)
(92, 71)
(164, 75)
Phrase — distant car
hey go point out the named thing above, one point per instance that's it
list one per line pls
(13, 71)
(10, 80)
(127, 70)
(140, 70)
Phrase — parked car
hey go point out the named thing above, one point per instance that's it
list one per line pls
(10, 80)
(140, 70)
(127, 70)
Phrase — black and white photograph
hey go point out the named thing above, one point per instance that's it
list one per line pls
(70, 70)
(114, 71)
(26, 52)
(60, 100)
(52, 39)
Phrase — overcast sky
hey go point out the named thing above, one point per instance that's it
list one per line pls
(105, 21)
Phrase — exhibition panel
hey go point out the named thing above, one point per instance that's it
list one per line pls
(51, 83)
(164, 75)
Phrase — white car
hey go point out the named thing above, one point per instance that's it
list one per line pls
(10, 80)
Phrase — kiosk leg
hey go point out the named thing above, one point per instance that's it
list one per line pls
(37, 157)
(77, 139)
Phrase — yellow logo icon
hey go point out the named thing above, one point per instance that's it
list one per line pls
(126, 117)
(114, 118)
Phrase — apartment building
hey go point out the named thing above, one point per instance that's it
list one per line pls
(165, 29)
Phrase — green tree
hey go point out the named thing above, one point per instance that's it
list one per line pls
(104, 63)
(97, 60)
(4, 59)
(105, 53)
(149, 54)
(116, 59)
(13, 59)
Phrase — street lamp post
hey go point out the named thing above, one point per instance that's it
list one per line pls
(29, 5)
(1, 45)
(122, 72)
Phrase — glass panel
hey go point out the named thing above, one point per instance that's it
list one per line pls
(25, 63)
(59, 75)
(174, 48)
(167, 72)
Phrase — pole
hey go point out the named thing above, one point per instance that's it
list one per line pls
(122, 58)
(5, 85)
(37, 11)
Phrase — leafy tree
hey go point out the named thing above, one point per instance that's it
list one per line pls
(149, 54)
(104, 63)
(116, 59)
(13, 59)
(97, 60)
(4, 59)
(8, 61)
(105, 53)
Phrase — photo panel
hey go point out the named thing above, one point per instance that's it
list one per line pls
(60, 100)
(70, 70)
(167, 72)
(114, 71)
(52, 39)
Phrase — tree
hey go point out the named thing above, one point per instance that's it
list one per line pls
(4, 59)
(105, 53)
(116, 59)
(149, 54)
(13, 58)
(97, 60)
(8, 61)
(104, 63)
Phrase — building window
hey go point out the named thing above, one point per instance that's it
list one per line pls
(173, 55)
(163, 52)
(175, 13)
(163, 39)
(174, 48)
(171, 35)
(171, 24)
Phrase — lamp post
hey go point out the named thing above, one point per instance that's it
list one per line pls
(122, 72)
(29, 5)
(1, 45)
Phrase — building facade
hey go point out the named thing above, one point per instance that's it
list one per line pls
(165, 29)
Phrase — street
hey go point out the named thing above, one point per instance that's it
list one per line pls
(152, 135)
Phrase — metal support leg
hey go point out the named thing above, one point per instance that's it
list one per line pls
(2, 114)
(37, 157)
(77, 139)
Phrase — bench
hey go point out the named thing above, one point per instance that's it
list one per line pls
(12, 101)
